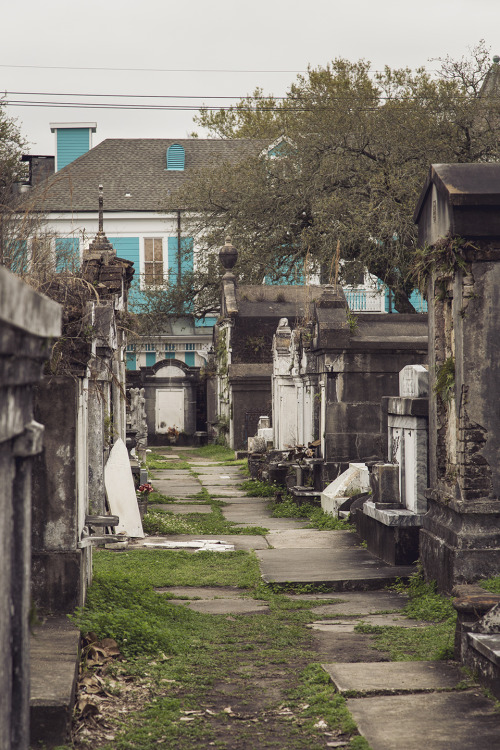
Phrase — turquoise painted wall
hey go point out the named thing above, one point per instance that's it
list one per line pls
(186, 257)
(416, 299)
(67, 253)
(71, 144)
(207, 322)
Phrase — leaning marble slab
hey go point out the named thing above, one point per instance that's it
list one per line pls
(121, 493)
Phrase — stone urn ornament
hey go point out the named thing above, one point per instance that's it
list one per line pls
(142, 498)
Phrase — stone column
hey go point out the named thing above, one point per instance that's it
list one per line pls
(458, 216)
(27, 321)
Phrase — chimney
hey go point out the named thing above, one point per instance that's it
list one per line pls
(73, 139)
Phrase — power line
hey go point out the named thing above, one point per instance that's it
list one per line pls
(151, 70)
(143, 96)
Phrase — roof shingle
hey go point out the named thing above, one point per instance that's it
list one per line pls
(134, 166)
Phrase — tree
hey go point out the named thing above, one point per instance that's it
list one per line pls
(360, 148)
(24, 245)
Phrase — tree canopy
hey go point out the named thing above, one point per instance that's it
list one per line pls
(358, 149)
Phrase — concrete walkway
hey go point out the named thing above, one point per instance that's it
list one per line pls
(395, 705)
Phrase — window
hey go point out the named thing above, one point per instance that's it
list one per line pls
(175, 158)
(153, 261)
(169, 351)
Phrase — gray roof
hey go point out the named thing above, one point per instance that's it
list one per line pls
(136, 166)
(271, 301)
(463, 184)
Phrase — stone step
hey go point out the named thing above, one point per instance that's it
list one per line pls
(54, 658)
(392, 678)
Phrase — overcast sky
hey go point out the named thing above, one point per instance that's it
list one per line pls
(199, 49)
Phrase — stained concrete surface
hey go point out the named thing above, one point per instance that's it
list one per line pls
(224, 606)
(435, 721)
(394, 677)
(359, 602)
(342, 625)
(311, 538)
(351, 567)
(181, 508)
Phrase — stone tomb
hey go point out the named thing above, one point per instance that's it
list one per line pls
(390, 521)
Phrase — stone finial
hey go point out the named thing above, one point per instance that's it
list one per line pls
(228, 255)
(100, 247)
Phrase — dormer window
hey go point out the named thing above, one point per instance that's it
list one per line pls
(175, 158)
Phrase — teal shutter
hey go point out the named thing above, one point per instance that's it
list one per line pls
(131, 362)
(67, 253)
(190, 359)
(175, 158)
(128, 249)
(71, 143)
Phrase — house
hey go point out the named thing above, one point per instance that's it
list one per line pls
(138, 175)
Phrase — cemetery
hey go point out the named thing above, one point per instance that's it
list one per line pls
(384, 421)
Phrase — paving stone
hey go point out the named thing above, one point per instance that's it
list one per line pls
(171, 473)
(218, 469)
(224, 606)
(350, 568)
(219, 479)
(434, 721)
(176, 488)
(358, 602)
(218, 491)
(382, 621)
(394, 677)
(180, 508)
(304, 538)
(202, 592)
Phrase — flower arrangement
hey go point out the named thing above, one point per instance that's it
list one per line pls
(172, 434)
(144, 490)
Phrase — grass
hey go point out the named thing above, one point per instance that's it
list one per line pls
(287, 508)
(179, 658)
(166, 522)
(325, 522)
(213, 452)
(491, 584)
(158, 568)
(434, 642)
(258, 488)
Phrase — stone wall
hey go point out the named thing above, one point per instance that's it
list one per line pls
(458, 224)
(28, 321)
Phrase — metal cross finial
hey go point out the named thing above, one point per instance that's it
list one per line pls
(101, 208)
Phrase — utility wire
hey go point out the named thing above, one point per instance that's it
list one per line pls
(247, 97)
(151, 70)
